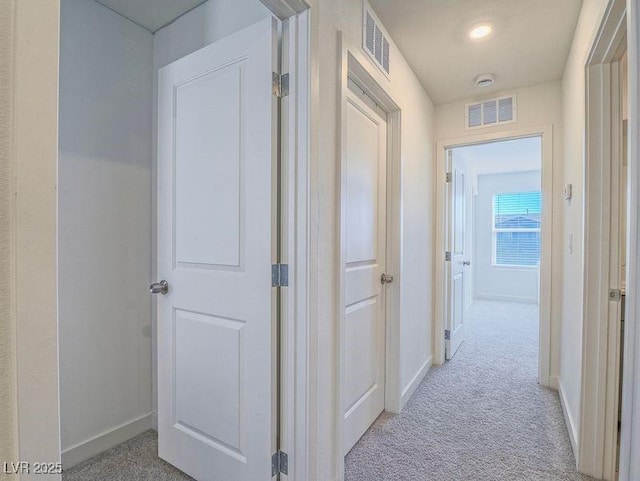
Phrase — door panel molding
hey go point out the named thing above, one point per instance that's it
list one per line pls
(365, 191)
(217, 414)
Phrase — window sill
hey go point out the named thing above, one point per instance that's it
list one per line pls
(513, 267)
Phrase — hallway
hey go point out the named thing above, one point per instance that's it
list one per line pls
(481, 416)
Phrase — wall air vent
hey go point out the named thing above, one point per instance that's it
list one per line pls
(375, 40)
(490, 112)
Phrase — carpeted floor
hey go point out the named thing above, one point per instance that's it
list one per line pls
(480, 417)
(137, 459)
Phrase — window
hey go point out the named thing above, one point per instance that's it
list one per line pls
(516, 229)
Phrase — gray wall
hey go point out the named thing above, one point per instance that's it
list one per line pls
(500, 283)
(104, 237)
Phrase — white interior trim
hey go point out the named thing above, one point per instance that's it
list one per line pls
(630, 438)
(98, 444)
(597, 438)
(284, 9)
(294, 422)
(546, 134)
(415, 382)
(352, 68)
(570, 423)
(35, 150)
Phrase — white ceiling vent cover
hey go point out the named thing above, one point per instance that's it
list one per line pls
(375, 40)
(490, 112)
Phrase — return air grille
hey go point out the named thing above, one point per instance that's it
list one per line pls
(376, 41)
(486, 113)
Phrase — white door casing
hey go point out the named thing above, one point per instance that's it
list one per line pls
(456, 267)
(364, 317)
(215, 325)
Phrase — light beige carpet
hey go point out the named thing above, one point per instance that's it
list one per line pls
(480, 417)
(135, 460)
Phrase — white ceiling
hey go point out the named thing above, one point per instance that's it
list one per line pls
(151, 14)
(529, 45)
(507, 156)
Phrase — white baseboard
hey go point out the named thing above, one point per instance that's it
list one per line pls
(154, 421)
(554, 382)
(523, 300)
(102, 442)
(415, 382)
(568, 419)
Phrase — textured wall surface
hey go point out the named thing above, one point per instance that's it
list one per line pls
(8, 438)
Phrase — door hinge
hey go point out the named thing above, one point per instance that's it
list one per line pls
(279, 275)
(279, 463)
(447, 334)
(447, 256)
(615, 295)
(449, 177)
(280, 87)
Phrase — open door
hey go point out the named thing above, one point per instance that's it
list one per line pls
(456, 262)
(216, 366)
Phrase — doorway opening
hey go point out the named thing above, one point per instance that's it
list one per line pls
(516, 260)
(495, 239)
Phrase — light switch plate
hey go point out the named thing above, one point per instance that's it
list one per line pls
(568, 191)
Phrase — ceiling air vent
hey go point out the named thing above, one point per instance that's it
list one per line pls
(489, 112)
(375, 41)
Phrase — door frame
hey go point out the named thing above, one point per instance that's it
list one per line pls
(295, 342)
(34, 253)
(351, 67)
(599, 398)
(442, 222)
(630, 436)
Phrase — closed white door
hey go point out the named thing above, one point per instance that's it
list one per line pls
(215, 323)
(365, 244)
(454, 334)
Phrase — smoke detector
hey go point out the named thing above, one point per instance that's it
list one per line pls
(484, 80)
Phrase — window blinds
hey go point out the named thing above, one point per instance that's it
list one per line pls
(516, 228)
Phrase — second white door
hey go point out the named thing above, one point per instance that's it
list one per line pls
(364, 211)
(454, 334)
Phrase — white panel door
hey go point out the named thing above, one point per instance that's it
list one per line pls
(365, 219)
(215, 324)
(454, 334)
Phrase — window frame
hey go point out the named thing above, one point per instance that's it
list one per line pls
(495, 231)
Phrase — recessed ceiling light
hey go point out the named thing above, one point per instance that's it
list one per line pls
(480, 31)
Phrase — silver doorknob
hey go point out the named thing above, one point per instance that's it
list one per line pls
(161, 287)
(466, 263)
(386, 279)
